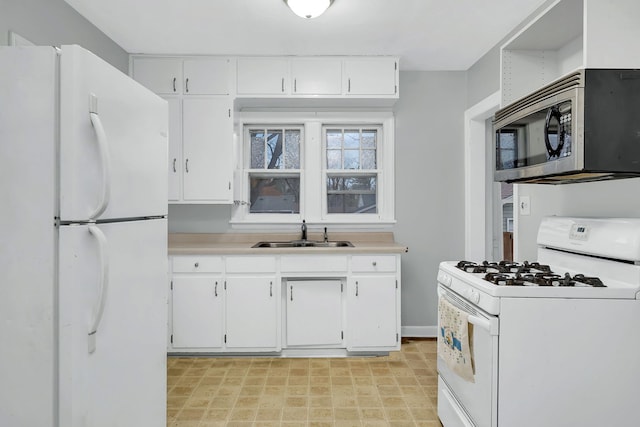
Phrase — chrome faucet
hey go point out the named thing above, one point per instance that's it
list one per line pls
(304, 230)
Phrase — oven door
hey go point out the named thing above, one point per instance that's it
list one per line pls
(460, 402)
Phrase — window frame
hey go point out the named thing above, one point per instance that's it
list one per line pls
(326, 172)
(313, 167)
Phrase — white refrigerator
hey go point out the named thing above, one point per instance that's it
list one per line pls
(83, 258)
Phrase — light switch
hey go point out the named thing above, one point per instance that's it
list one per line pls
(524, 205)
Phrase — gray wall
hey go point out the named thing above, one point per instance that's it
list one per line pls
(429, 185)
(54, 23)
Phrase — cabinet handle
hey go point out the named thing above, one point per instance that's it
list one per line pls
(186, 166)
(174, 165)
(174, 84)
(349, 85)
(215, 289)
(186, 85)
(283, 84)
(356, 288)
(196, 265)
(270, 289)
(291, 292)
(295, 85)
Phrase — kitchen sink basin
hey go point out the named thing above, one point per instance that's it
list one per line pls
(305, 244)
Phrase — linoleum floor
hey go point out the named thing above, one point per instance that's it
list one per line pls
(395, 390)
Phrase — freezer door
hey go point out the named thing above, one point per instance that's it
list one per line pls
(112, 324)
(113, 142)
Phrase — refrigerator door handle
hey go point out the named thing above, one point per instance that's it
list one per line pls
(104, 284)
(103, 146)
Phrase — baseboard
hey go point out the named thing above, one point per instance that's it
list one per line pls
(419, 331)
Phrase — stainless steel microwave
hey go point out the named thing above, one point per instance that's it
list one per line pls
(583, 127)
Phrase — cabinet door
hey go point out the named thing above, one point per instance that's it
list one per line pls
(160, 75)
(207, 149)
(315, 76)
(175, 148)
(314, 312)
(372, 312)
(206, 76)
(371, 76)
(251, 315)
(262, 76)
(197, 312)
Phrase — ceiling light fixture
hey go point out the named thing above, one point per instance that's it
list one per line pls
(308, 8)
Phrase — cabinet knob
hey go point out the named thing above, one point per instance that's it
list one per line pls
(196, 264)
(374, 263)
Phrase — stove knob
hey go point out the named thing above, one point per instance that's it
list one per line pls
(445, 279)
(473, 296)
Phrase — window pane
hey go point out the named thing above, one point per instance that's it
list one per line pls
(334, 159)
(275, 194)
(369, 138)
(351, 159)
(257, 149)
(352, 138)
(352, 194)
(368, 159)
(334, 139)
(274, 149)
(292, 149)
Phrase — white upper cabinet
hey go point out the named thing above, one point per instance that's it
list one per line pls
(371, 76)
(175, 76)
(161, 75)
(314, 76)
(207, 150)
(206, 76)
(262, 76)
(317, 77)
(175, 148)
(568, 35)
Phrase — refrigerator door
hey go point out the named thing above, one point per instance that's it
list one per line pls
(27, 261)
(113, 282)
(113, 142)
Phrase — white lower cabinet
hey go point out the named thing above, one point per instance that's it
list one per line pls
(314, 313)
(197, 308)
(277, 303)
(372, 315)
(251, 313)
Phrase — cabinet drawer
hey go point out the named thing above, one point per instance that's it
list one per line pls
(373, 263)
(251, 264)
(197, 264)
(322, 263)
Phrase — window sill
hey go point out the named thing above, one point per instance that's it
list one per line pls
(287, 225)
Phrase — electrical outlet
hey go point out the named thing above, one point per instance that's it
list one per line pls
(524, 205)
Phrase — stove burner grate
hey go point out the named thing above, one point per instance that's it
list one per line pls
(543, 279)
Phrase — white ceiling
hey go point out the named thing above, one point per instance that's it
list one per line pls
(425, 34)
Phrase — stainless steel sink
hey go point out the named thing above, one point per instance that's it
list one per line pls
(304, 244)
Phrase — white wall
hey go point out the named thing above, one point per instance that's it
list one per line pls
(54, 23)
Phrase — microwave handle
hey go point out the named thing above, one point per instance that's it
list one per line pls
(553, 113)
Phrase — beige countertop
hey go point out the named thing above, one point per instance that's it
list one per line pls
(241, 243)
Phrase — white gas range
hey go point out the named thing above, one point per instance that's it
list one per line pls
(553, 342)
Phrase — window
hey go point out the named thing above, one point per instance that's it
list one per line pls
(274, 174)
(326, 168)
(351, 170)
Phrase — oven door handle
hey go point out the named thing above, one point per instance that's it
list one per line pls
(479, 322)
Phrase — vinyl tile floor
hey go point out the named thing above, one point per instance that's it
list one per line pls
(395, 390)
